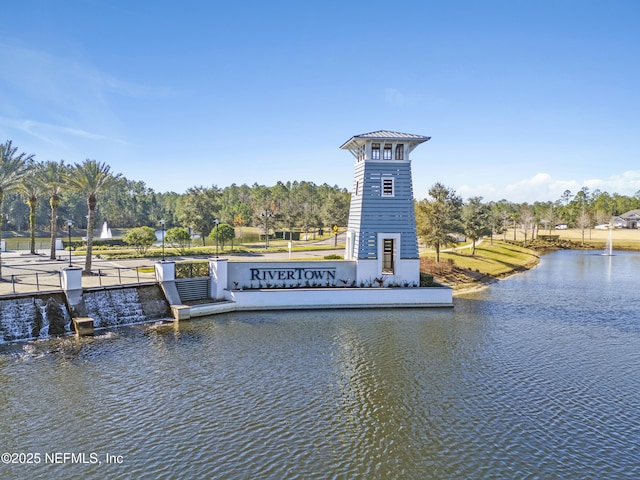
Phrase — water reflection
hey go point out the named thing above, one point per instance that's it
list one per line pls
(609, 267)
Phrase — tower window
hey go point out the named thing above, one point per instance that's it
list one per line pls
(400, 151)
(387, 187)
(388, 268)
(375, 151)
(386, 154)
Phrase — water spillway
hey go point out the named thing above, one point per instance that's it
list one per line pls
(40, 316)
(125, 306)
(113, 307)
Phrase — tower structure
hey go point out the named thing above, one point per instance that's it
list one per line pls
(381, 234)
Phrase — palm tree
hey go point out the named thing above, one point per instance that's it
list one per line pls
(13, 168)
(51, 177)
(90, 178)
(30, 187)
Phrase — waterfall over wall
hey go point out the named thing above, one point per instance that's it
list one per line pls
(124, 306)
(40, 316)
(113, 307)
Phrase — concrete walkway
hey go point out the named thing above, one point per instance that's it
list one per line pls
(26, 273)
(23, 273)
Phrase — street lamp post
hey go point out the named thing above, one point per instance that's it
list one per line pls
(69, 230)
(266, 214)
(162, 226)
(217, 222)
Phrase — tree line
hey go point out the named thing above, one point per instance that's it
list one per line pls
(443, 215)
(45, 196)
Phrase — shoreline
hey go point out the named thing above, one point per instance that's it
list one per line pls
(492, 262)
(466, 280)
(488, 280)
(481, 281)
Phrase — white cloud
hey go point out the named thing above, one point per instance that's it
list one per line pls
(626, 183)
(54, 98)
(540, 187)
(544, 187)
(486, 191)
(61, 80)
(52, 134)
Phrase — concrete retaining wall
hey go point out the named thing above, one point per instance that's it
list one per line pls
(328, 298)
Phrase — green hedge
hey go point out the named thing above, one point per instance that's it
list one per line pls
(192, 269)
(99, 242)
(286, 235)
(426, 279)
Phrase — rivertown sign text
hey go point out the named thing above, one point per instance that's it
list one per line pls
(290, 274)
(284, 274)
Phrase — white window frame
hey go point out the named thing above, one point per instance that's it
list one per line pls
(399, 151)
(385, 181)
(387, 152)
(375, 152)
(392, 268)
(397, 243)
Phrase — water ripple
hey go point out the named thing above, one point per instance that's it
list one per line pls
(492, 389)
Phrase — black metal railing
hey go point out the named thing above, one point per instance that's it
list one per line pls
(35, 282)
(52, 280)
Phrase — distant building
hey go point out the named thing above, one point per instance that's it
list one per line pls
(630, 219)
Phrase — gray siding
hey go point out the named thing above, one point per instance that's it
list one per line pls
(371, 212)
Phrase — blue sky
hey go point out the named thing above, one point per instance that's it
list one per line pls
(522, 99)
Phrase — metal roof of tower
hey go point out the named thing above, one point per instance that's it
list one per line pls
(356, 140)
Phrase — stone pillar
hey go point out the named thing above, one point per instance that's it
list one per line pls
(218, 274)
(71, 279)
(166, 277)
(165, 271)
(72, 284)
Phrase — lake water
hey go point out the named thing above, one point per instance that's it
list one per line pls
(537, 376)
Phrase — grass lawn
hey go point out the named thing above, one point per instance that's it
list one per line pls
(114, 253)
(460, 269)
(623, 238)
